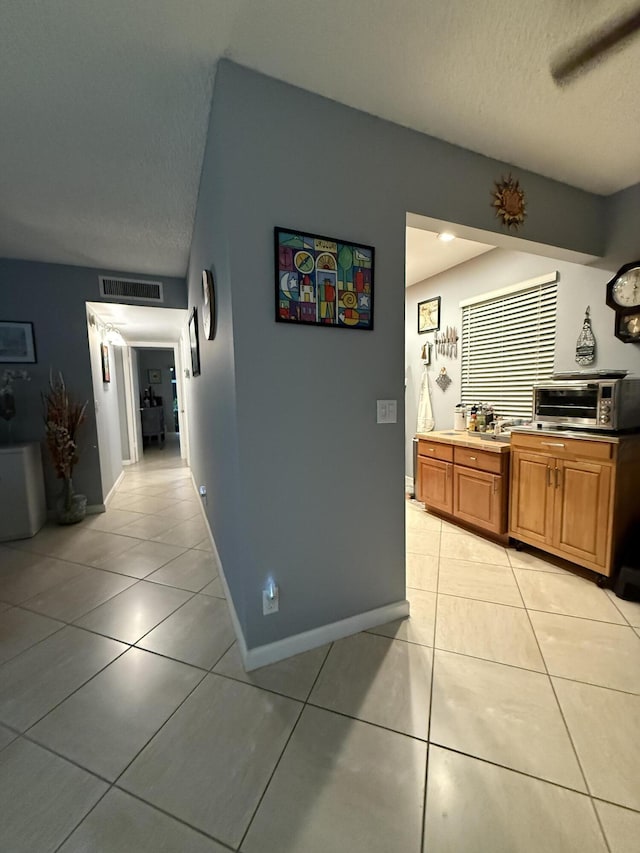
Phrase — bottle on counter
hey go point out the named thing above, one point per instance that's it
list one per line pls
(460, 418)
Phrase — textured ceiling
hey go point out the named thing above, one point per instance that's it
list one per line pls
(104, 106)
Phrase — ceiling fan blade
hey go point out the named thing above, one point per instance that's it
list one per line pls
(593, 48)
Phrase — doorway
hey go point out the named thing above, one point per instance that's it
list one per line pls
(140, 400)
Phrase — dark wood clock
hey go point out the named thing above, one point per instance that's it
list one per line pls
(623, 295)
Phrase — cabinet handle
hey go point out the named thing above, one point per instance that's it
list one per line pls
(495, 485)
(448, 472)
(551, 444)
(548, 476)
(558, 472)
(432, 449)
(473, 458)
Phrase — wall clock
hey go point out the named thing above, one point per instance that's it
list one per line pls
(628, 328)
(208, 305)
(623, 295)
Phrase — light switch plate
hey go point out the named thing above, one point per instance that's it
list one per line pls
(387, 411)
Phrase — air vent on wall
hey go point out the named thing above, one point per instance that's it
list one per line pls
(129, 288)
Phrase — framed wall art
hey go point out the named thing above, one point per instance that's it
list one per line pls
(104, 358)
(17, 345)
(429, 315)
(193, 343)
(155, 377)
(323, 281)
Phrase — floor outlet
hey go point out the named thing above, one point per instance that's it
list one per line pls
(270, 599)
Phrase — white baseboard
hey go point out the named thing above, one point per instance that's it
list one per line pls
(112, 490)
(307, 640)
(242, 646)
(298, 643)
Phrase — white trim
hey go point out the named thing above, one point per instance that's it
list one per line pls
(529, 284)
(113, 489)
(242, 646)
(298, 643)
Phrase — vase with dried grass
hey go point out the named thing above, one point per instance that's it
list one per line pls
(63, 418)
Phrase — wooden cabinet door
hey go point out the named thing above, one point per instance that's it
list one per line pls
(435, 480)
(582, 509)
(478, 499)
(532, 495)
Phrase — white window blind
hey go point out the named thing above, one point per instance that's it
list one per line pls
(508, 342)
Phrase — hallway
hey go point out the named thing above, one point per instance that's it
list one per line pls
(127, 724)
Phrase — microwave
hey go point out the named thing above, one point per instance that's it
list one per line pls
(598, 404)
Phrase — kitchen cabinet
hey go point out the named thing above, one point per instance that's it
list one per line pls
(575, 497)
(459, 478)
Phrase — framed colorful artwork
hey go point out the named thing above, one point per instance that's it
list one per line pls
(104, 357)
(429, 315)
(17, 345)
(154, 376)
(193, 343)
(322, 281)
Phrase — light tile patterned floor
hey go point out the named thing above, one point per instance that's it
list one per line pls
(503, 717)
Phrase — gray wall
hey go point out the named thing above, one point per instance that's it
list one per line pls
(321, 498)
(578, 286)
(53, 297)
(106, 410)
(622, 216)
(158, 359)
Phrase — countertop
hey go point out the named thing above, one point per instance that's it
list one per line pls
(583, 435)
(465, 439)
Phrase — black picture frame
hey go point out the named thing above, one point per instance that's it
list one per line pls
(330, 257)
(426, 314)
(194, 343)
(17, 342)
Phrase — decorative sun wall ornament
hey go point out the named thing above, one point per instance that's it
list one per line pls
(508, 199)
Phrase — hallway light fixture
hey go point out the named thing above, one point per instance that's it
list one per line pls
(446, 236)
(113, 336)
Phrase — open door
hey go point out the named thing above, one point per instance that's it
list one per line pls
(132, 398)
(183, 419)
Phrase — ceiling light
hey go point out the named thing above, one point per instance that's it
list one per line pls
(446, 236)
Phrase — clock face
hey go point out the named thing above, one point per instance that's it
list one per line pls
(626, 290)
(208, 305)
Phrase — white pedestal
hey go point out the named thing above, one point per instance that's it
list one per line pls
(23, 508)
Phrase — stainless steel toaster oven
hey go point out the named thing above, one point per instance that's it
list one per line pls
(598, 404)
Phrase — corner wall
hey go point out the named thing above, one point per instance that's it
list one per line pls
(306, 485)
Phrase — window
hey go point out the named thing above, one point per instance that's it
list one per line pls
(508, 343)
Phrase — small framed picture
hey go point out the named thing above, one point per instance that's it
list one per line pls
(429, 315)
(16, 343)
(155, 377)
(104, 357)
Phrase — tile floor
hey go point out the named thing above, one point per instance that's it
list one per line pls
(504, 716)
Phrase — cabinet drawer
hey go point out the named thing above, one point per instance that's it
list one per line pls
(481, 460)
(434, 450)
(575, 448)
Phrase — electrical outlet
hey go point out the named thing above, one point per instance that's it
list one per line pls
(270, 598)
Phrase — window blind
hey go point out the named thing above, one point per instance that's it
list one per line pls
(508, 343)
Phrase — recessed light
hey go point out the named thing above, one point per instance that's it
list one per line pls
(446, 236)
